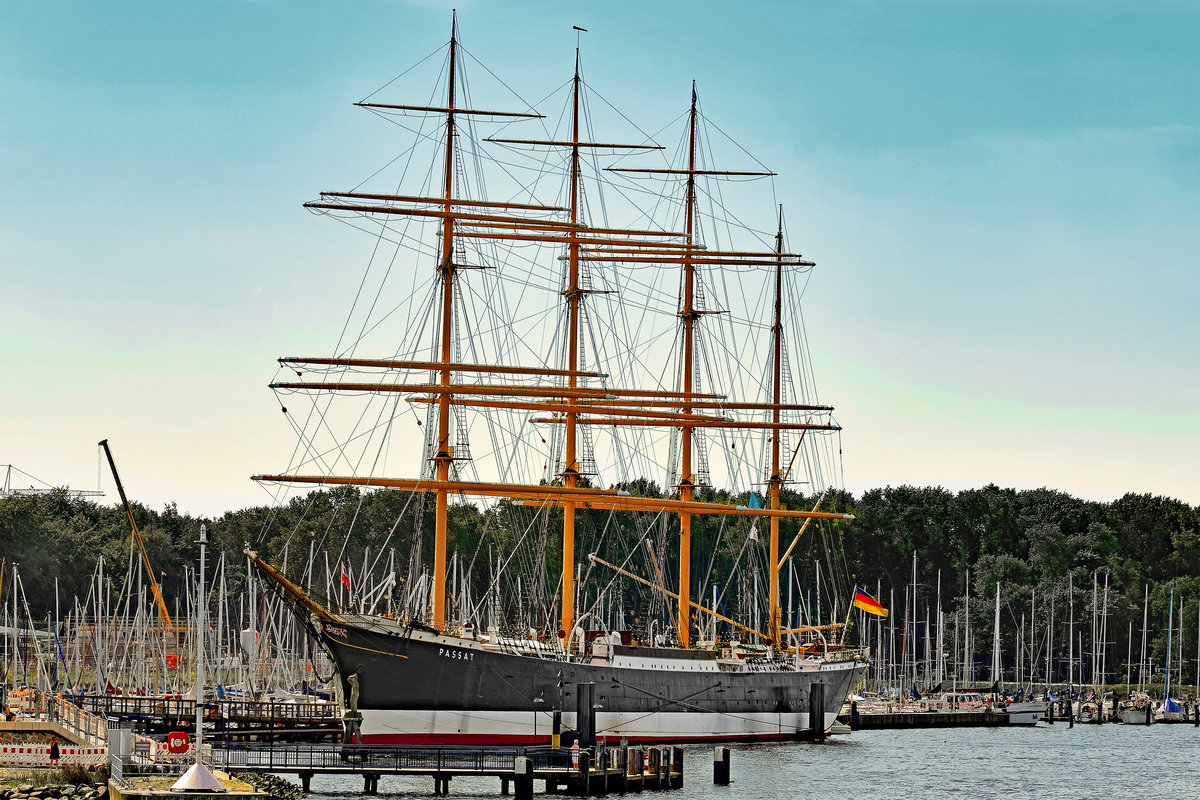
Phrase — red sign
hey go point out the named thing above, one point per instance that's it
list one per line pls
(177, 742)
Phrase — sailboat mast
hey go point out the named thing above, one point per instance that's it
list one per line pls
(1145, 628)
(443, 456)
(571, 469)
(688, 314)
(776, 398)
(1170, 631)
(996, 639)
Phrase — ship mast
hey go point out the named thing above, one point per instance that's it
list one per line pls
(570, 472)
(688, 314)
(443, 455)
(776, 480)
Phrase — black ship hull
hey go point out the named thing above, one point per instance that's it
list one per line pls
(415, 686)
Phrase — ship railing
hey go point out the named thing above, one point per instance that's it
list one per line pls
(528, 647)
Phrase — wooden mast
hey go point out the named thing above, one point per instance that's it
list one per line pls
(776, 398)
(570, 473)
(443, 455)
(688, 314)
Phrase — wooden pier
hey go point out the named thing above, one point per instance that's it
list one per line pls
(577, 772)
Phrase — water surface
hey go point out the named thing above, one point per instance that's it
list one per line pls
(1161, 762)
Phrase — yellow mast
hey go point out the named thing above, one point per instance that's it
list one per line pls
(688, 314)
(570, 471)
(443, 455)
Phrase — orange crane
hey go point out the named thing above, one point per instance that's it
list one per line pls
(163, 616)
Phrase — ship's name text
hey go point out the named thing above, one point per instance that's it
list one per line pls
(461, 655)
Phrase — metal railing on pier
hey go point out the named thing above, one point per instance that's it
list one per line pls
(386, 758)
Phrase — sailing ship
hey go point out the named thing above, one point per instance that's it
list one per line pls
(433, 674)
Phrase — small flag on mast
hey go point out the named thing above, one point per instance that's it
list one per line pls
(868, 604)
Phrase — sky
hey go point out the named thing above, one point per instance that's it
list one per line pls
(1002, 197)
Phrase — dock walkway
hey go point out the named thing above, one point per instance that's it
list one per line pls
(604, 769)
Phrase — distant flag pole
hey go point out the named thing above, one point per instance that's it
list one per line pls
(869, 604)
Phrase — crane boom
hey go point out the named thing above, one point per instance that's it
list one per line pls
(163, 616)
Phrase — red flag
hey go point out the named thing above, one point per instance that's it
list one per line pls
(345, 580)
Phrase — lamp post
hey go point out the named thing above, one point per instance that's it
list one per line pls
(198, 778)
(201, 621)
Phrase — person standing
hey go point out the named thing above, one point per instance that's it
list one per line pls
(54, 753)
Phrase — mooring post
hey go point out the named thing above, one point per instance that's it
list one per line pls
(816, 712)
(721, 765)
(523, 772)
(556, 730)
(504, 787)
(585, 714)
(585, 772)
(306, 781)
(676, 767)
(855, 720)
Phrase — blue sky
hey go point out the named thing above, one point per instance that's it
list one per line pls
(1003, 199)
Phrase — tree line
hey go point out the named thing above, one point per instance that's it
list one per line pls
(1033, 543)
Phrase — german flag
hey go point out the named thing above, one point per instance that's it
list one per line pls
(868, 604)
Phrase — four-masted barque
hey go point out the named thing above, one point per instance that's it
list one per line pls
(430, 676)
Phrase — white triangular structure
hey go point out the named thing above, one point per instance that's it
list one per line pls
(198, 779)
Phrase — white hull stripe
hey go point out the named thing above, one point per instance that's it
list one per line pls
(398, 725)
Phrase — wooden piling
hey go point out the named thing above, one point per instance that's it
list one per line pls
(676, 775)
(635, 779)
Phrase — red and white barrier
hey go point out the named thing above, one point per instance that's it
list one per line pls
(38, 755)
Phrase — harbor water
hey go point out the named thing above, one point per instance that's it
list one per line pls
(1161, 762)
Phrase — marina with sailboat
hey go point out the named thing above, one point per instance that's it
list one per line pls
(564, 504)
